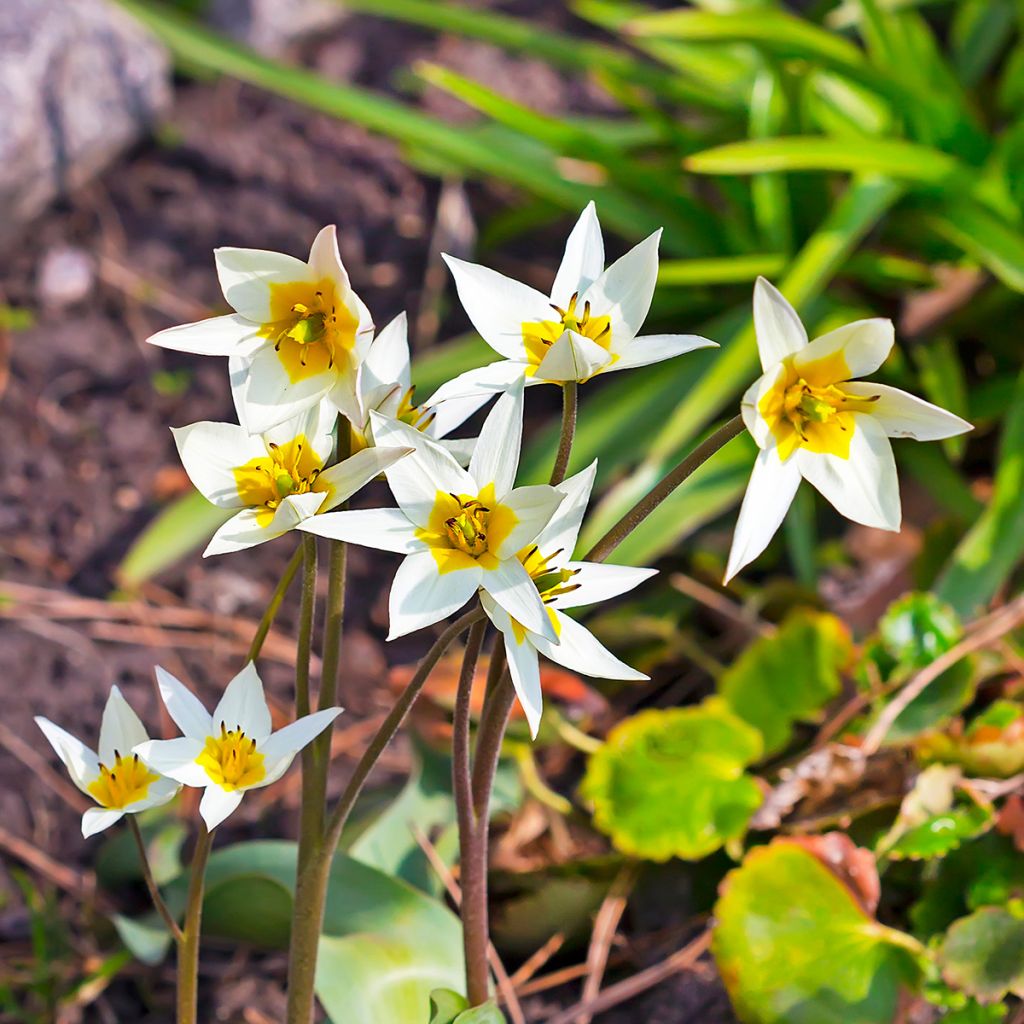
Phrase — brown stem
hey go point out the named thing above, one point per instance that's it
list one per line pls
(154, 889)
(275, 604)
(188, 948)
(569, 404)
(462, 785)
(668, 483)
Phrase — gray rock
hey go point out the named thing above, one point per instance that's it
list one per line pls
(79, 81)
(271, 26)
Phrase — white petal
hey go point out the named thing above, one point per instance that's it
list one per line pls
(779, 329)
(523, 665)
(344, 394)
(387, 361)
(386, 529)
(865, 345)
(211, 452)
(459, 448)
(217, 804)
(597, 582)
(325, 261)
(421, 596)
(580, 651)
(750, 406)
(453, 412)
(563, 528)
(218, 336)
(496, 455)
(904, 415)
(176, 759)
(120, 728)
(315, 424)
(184, 707)
(347, 477)
(279, 748)
(583, 261)
(533, 508)
(243, 705)
(159, 793)
(572, 357)
(484, 382)
(265, 395)
(246, 275)
(416, 479)
(96, 819)
(497, 306)
(772, 486)
(863, 487)
(511, 587)
(243, 530)
(655, 348)
(624, 290)
(80, 761)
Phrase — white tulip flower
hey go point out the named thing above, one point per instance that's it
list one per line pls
(460, 529)
(385, 387)
(114, 777)
(586, 326)
(812, 419)
(273, 480)
(231, 751)
(563, 583)
(298, 334)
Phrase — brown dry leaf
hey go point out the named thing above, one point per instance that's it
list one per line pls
(1011, 820)
(851, 864)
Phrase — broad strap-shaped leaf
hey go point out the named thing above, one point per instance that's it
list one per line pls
(983, 954)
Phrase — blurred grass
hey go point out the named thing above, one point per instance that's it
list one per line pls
(850, 154)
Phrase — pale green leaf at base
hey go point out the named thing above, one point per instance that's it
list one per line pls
(983, 954)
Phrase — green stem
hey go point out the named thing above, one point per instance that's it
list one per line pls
(154, 889)
(307, 611)
(188, 948)
(569, 405)
(668, 483)
(477, 976)
(275, 604)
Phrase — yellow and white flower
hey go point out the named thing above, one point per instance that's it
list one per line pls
(586, 326)
(231, 751)
(460, 529)
(273, 480)
(298, 334)
(813, 419)
(385, 387)
(563, 583)
(114, 777)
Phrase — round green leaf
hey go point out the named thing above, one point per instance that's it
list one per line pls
(983, 954)
(917, 628)
(941, 833)
(787, 677)
(794, 946)
(671, 783)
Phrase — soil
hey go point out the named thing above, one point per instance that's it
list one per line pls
(87, 462)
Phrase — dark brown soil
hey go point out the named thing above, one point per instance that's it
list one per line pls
(87, 458)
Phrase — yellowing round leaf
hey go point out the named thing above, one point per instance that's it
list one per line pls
(671, 783)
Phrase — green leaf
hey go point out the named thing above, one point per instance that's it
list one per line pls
(181, 528)
(992, 745)
(794, 945)
(983, 954)
(670, 783)
(917, 628)
(446, 1005)
(991, 239)
(743, 269)
(941, 833)
(789, 676)
(486, 1014)
(385, 946)
(994, 546)
(146, 938)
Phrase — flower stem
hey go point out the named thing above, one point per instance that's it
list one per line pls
(668, 483)
(569, 404)
(477, 976)
(275, 604)
(154, 890)
(314, 873)
(307, 611)
(188, 948)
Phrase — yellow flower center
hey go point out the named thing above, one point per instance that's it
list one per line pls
(231, 760)
(540, 335)
(289, 468)
(464, 528)
(808, 408)
(312, 330)
(126, 783)
(549, 581)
